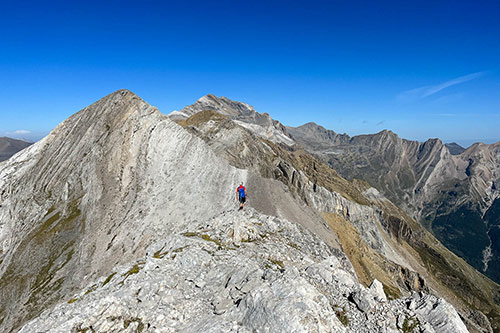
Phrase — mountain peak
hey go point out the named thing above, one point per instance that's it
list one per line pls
(387, 132)
(454, 148)
(208, 98)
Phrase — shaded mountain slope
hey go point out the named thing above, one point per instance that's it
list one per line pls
(9, 147)
(449, 193)
(455, 148)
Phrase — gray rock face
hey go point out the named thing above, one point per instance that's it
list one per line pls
(373, 222)
(437, 312)
(94, 193)
(9, 147)
(245, 115)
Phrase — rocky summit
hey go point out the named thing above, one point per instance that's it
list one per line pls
(125, 220)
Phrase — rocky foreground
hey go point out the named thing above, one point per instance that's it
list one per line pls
(242, 272)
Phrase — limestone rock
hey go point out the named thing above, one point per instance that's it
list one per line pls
(377, 290)
(363, 300)
(438, 313)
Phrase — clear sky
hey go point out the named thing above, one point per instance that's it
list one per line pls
(419, 68)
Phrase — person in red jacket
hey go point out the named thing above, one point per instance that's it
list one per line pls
(241, 195)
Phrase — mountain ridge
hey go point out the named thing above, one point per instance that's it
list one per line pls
(10, 146)
(111, 184)
(211, 126)
(430, 180)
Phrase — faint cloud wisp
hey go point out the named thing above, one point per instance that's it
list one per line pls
(20, 132)
(420, 93)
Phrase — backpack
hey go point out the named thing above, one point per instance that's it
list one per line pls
(241, 191)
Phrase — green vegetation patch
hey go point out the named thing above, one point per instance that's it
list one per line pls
(202, 117)
(179, 250)
(391, 292)
(134, 270)
(205, 237)
(210, 239)
(341, 315)
(128, 321)
(410, 325)
(278, 263)
(108, 279)
(464, 233)
(159, 254)
(191, 234)
(33, 272)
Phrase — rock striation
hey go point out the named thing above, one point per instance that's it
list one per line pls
(322, 189)
(243, 114)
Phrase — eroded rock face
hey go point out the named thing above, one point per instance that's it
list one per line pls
(437, 312)
(243, 114)
(94, 194)
(377, 221)
(270, 276)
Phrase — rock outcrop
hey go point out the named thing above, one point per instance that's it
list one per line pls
(372, 231)
(321, 188)
(243, 114)
(244, 272)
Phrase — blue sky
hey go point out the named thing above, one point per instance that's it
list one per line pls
(421, 69)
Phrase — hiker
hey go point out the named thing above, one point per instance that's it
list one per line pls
(241, 195)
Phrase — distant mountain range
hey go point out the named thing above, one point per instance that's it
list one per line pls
(454, 148)
(9, 147)
(453, 192)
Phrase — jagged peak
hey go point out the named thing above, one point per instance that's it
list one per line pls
(311, 124)
(208, 98)
(387, 132)
(434, 142)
